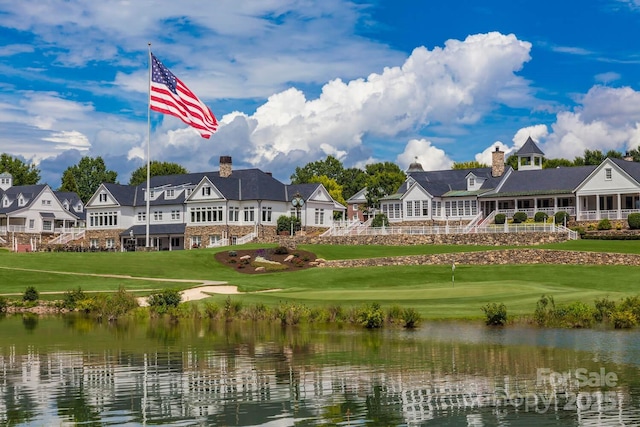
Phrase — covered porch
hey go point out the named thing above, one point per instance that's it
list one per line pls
(618, 206)
(547, 204)
(162, 237)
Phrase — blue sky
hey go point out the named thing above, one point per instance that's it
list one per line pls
(292, 81)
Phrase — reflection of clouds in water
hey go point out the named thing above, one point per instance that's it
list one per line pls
(251, 374)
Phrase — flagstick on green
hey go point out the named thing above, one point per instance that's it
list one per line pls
(453, 274)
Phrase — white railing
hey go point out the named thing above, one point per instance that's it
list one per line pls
(488, 219)
(451, 229)
(474, 222)
(2, 241)
(69, 235)
(220, 242)
(246, 239)
(608, 214)
(573, 235)
(531, 211)
(347, 228)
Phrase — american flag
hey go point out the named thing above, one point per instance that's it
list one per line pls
(170, 96)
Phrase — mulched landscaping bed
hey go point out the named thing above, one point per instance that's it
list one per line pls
(302, 261)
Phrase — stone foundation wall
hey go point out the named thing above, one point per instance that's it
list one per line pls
(484, 239)
(498, 257)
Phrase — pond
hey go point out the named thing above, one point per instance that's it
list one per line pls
(73, 371)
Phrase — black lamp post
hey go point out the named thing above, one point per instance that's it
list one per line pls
(297, 202)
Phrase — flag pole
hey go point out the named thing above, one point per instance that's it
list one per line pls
(148, 195)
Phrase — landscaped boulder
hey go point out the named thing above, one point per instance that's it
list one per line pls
(261, 269)
(289, 258)
(245, 257)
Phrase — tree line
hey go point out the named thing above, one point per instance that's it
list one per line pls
(380, 179)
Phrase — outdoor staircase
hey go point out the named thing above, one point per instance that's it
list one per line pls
(64, 238)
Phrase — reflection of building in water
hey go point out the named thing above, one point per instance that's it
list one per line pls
(250, 389)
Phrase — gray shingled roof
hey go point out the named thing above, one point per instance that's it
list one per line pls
(632, 168)
(154, 230)
(28, 191)
(440, 182)
(528, 148)
(563, 180)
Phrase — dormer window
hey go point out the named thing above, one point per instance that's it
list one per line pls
(66, 205)
(79, 207)
(472, 182)
(170, 193)
(5, 202)
(102, 197)
(152, 194)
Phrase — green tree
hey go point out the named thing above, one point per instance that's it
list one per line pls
(352, 181)
(68, 182)
(332, 186)
(89, 173)
(330, 167)
(22, 173)
(554, 163)
(384, 178)
(512, 161)
(469, 165)
(157, 169)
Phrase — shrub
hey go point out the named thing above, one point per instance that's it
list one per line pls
(72, 298)
(410, 318)
(30, 295)
(496, 314)
(163, 302)
(371, 316)
(623, 319)
(604, 308)
(211, 310)
(291, 313)
(540, 217)
(4, 303)
(577, 315)
(561, 217)
(380, 220)
(281, 250)
(232, 253)
(604, 224)
(634, 221)
(284, 223)
(631, 304)
(231, 308)
(500, 218)
(394, 313)
(519, 217)
(545, 313)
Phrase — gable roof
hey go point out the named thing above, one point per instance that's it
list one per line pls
(438, 183)
(29, 192)
(631, 168)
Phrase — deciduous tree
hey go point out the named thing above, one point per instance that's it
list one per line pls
(22, 173)
(88, 174)
(157, 169)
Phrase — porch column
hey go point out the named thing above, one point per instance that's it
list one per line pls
(169, 242)
(619, 206)
(555, 204)
(597, 206)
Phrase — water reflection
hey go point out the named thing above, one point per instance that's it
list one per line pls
(74, 371)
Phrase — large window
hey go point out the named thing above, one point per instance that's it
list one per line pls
(319, 216)
(234, 214)
(249, 214)
(410, 208)
(103, 219)
(206, 214)
(425, 208)
(266, 214)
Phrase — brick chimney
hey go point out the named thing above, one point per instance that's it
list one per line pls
(225, 166)
(497, 163)
(628, 157)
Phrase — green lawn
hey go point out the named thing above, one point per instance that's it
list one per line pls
(429, 289)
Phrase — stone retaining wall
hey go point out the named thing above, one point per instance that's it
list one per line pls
(484, 239)
(497, 257)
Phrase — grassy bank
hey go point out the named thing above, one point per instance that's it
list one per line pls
(428, 289)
